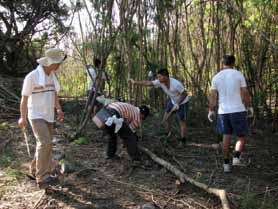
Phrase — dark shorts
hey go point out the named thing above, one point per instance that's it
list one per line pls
(182, 112)
(232, 123)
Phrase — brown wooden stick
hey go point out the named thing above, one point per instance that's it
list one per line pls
(210, 146)
(221, 193)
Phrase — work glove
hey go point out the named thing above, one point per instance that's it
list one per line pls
(175, 107)
(211, 116)
(250, 112)
(117, 121)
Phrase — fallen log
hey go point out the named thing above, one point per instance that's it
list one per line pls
(220, 193)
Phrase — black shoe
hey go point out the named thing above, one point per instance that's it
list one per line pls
(49, 181)
(30, 176)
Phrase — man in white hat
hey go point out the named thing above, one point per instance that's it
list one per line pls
(39, 99)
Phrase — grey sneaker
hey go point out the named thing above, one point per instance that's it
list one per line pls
(237, 162)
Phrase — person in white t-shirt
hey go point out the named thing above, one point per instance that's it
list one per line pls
(92, 75)
(178, 99)
(93, 82)
(39, 99)
(233, 101)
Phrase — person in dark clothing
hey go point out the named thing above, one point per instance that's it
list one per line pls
(121, 119)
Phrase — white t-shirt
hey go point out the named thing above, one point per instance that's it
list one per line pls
(228, 83)
(94, 75)
(175, 90)
(41, 100)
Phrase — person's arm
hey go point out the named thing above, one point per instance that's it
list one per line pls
(212, 104)
(25, 93)
(141, 83)
(60, 113)
(182, 94)
(182, 97)
(212, 100)
(22, 122)
(245, 96)
(246, 99)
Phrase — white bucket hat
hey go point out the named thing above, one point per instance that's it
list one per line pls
(52, 56)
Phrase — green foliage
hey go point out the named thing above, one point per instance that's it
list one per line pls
(20, 21)
(81, 141)
(6, 160)
(13, 173)
(258, 3)
(4, 126)
(8, 165)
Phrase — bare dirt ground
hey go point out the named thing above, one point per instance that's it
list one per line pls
(91, 181)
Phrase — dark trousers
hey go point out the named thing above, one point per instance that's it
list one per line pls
(129, 140)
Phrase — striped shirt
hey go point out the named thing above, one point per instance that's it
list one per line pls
(128, 112)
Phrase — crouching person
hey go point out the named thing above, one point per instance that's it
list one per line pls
(121, 119)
